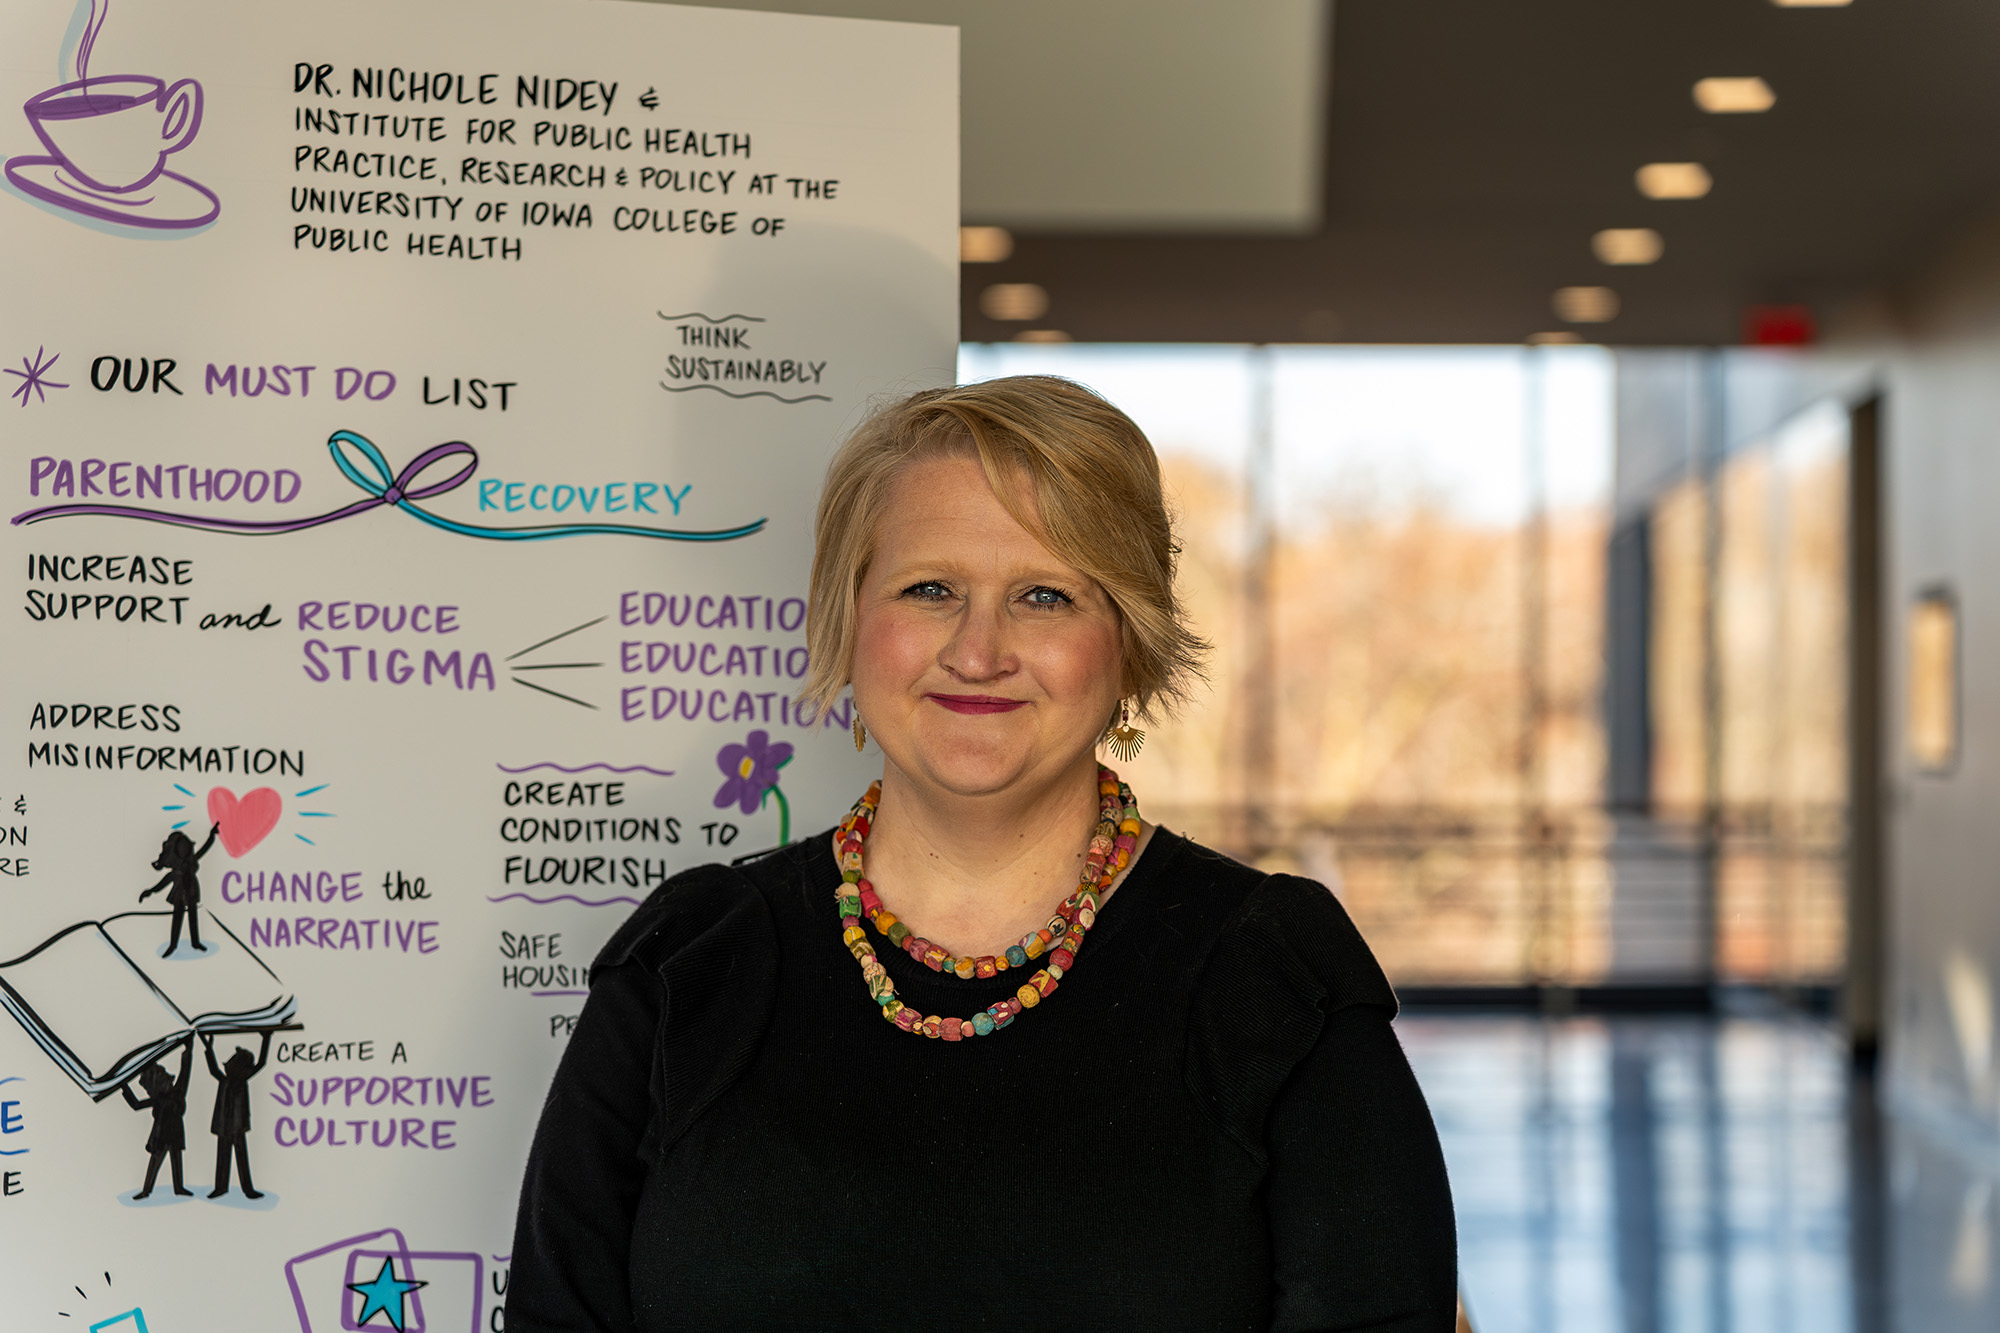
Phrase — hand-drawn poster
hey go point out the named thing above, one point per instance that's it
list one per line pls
(413, 418)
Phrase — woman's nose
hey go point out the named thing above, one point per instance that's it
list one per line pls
(978, 649)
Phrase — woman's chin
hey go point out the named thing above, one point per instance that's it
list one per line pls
(974, 765)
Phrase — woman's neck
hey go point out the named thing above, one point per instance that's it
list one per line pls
(973, 875)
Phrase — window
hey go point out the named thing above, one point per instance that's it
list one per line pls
(1933, 699)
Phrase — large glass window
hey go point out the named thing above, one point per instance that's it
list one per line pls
(1399, 554)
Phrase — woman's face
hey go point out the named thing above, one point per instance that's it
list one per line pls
(982, 661)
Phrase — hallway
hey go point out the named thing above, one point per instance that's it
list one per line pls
(1684, 1174)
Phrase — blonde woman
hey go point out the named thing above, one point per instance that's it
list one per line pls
(997, 1052)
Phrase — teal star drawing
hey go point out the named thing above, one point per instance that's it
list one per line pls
(384, 1294)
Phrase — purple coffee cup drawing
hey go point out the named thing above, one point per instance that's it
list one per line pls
(114, 132)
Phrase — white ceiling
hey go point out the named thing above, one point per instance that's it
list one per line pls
(1131, 115)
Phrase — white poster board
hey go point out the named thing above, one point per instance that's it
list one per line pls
(414, 418)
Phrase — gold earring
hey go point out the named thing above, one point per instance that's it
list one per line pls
(1124, 738)
(860, 734)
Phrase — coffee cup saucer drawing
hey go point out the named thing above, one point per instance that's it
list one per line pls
(169, 201)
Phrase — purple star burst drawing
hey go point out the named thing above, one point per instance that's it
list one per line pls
(31, 376)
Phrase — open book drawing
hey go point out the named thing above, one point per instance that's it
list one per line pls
(101, 1001)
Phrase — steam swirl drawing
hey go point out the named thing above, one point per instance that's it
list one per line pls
(108, 138)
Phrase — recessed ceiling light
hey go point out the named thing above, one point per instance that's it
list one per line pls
(1585, 305)
(984, 245)
(1627, 245)
(1674, 180)
(1811, 4)
(1725, 97)
(1014, 300)
(1554, 337)
(1041, 336)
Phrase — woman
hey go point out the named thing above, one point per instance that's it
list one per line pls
(166, 1095)
(1124, 1082)
(181, 861)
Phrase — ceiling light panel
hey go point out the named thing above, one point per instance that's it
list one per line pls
(1627, 245)
(1585, 305)
(1734, 97)
(984, 245)
(1674, 180)
(1812, 4)
(1014, 301)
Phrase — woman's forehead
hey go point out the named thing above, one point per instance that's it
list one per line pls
(959, 526)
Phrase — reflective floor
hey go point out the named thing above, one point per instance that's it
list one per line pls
(1697, 1175)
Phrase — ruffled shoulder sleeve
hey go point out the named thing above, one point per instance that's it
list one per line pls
(679, 998)
(708, 937)
(1287, 960)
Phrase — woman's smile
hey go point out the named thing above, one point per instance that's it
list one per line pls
(977, 703)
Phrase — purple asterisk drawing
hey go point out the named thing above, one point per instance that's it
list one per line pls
(31, 377)
(750, 773)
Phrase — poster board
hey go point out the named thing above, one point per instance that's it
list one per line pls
(414, 418)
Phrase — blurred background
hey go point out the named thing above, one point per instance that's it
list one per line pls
(1581, 419)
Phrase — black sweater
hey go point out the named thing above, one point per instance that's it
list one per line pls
(1209, 1125)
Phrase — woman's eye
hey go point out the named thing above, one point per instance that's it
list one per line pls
(929, 591)
(1047, 597)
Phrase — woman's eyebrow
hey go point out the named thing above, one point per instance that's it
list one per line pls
(959, 563)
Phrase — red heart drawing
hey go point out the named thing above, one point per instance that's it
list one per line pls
(245, 822)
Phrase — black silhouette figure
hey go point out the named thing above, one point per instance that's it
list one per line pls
(167, 1096)
(231, 1122)
(180, 860)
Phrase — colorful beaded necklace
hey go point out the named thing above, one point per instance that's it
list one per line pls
(1111, 847)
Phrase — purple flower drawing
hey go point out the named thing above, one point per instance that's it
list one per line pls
(750, 775)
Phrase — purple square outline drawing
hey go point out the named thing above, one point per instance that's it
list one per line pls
(416, 1322)
(390, 1234)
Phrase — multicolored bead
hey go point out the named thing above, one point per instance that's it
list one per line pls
(1110, 850)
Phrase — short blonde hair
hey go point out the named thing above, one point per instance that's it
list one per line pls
(1094, 483)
